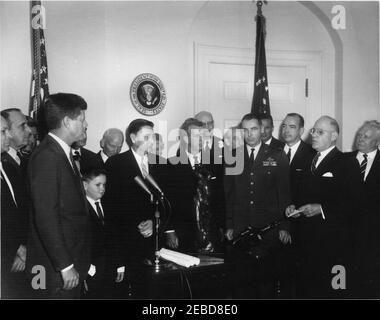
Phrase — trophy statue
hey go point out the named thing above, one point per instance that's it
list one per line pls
(202, 210)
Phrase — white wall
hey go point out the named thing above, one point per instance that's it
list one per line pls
(96, 49)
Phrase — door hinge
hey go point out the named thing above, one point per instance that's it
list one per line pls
(306, 87)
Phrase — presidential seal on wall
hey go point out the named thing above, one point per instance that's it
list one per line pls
(148, 94)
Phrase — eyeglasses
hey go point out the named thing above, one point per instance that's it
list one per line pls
(318, 132)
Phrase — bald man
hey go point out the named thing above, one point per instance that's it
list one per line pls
(321, 226)
(111, 143)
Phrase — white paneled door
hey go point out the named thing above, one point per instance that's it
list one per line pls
(224, 84)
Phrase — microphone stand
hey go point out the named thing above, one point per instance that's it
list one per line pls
(157, 225)
(158, 265)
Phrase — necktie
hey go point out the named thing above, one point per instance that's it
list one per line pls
(19, 157)
(99, 211)
(74, 165)
(144, 169)
(252, 155)
(314, 162)
(363, 165)
(289, 154)
(77, 158)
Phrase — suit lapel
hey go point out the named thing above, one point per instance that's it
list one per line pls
(135, 165)
(11, 163)
(93, 213)
(58, 149)
(297, 156)
(323, 166)
(374, 172)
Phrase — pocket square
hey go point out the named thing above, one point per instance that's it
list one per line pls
(299, 170)
(328, 175)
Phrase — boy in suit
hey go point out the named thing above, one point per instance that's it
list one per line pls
(94, 183)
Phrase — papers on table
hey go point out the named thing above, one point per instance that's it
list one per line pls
(182, 259)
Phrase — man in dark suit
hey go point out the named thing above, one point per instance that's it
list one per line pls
(85, 159)
(299, 153)
(111, 144)
(15, 164)
(191, 175)
(130, 211)
(13, 228)
(58, 240)
(321, 230)
(363, 170)
(267, 133)
(258, 196)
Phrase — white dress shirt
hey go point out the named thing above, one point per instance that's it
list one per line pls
(370, 157)
(257, 148)
(269, 141)
(13, 153)
(293, 151)
(323, 155)
(104, 156)
(140, 160)
(66, 148)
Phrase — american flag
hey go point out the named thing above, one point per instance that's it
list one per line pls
(260, 101)
(39, 84)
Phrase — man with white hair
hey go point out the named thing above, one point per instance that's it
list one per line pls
(363, 170)
(322, 223)
(111, 144)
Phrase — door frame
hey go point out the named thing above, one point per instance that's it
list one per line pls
(205, 54)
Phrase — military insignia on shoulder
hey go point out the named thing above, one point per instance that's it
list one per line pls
(148, 94)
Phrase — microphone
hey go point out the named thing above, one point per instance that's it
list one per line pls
(142, 184)
(154, 183)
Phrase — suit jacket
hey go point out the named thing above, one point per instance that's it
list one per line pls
(364, 204)
(98, 236)
(322, 243)
(100, 160)
(59, 228)
(300, 170)
(127, 205)
(13, 224)
(277, 144)
(181, 193)
(260, 194)
(19, 185)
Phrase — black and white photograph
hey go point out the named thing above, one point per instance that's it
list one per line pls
(183, 151)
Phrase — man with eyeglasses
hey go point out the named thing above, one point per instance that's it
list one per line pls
(321, 231)
(363, 168)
